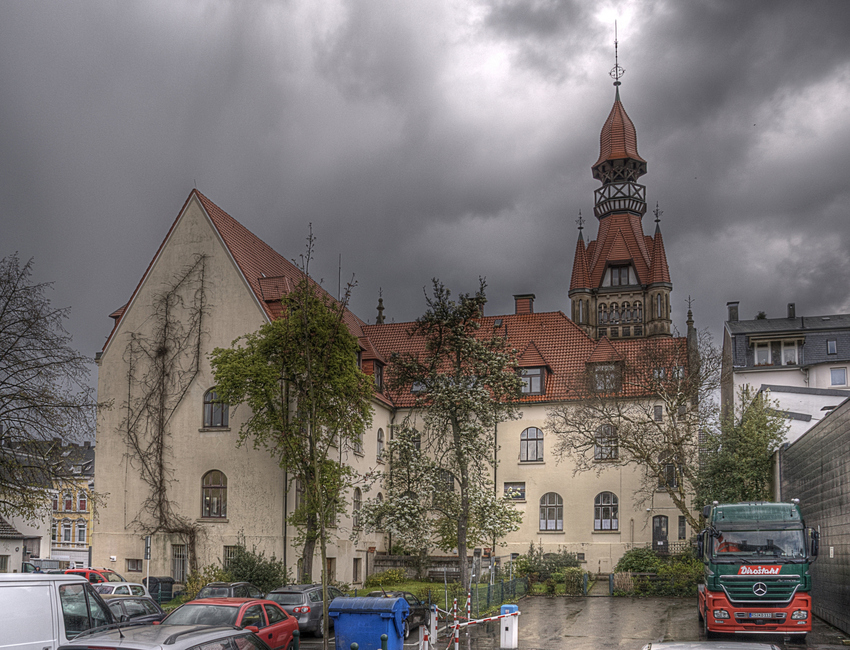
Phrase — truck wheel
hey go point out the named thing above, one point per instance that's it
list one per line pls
(708, 633)
(699, 614)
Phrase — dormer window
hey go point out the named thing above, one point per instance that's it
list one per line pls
(605, 377)
(379, 376)
(533, 381)
(620, 275)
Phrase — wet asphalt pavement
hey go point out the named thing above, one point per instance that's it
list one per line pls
(600, 622)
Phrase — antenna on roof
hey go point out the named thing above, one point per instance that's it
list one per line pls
(580, 221)
(657, 212)
(616, 71)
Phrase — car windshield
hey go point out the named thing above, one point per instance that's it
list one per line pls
(200, 614)
(771, 543)
(111, 576)
(286, 598)
(214, 592)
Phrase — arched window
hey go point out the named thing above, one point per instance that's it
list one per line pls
(82, 502)
(380, 444)
(214, 494)
(531, 445)
(627, 313)
(357, 504)
(603, 314)
(69, 502)
(55, 502)
(81, 531)
(638, 313)
(551, 512)
(54, 531)
(659, 305)
(605, 512)
(606, 443)
(615, 313)
(66, 530)
(215, 411)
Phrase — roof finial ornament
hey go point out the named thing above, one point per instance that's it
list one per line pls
(657, 212)
(580, 221)
(380, 319)
(616, 71)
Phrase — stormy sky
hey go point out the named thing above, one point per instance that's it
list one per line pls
(447, 138)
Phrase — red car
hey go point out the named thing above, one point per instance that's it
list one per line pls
(263, 617)
(96, 576)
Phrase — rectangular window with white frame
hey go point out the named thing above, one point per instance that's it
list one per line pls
(838, 376)
(789, 353)
(832, 346)
(762, 354)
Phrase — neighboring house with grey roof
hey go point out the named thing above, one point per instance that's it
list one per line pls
(11, 543)
(802, 361)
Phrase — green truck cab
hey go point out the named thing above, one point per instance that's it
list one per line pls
(757, 578)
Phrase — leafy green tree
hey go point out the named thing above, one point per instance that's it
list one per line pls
(250, 566)
(737, 461)
(307, 396)
(43, 393)
(465, 381)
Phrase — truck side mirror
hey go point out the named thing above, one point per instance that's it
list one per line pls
(706, 511)
(701, 544)
(815, 543)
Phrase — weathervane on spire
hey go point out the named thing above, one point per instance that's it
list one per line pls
(657, 212)
(580, 221)
(616, 71)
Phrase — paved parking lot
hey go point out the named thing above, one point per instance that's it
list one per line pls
(622, 623)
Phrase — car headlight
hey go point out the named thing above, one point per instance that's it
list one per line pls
(799, 615)
(721, 613)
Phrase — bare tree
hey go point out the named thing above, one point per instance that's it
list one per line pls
(645, 404)
(44, 395)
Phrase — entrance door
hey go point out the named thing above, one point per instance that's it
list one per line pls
(659, 534)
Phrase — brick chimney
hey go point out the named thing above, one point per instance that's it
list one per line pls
(524, 303)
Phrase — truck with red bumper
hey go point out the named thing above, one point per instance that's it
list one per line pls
(757, 578)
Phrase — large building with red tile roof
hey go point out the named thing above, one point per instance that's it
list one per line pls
(212, 281)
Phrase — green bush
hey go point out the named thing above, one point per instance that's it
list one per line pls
(203, 576)
(385, 578)
(671, 576)
(250, 566)
(540, 566)
(638, 560)
(573, 581)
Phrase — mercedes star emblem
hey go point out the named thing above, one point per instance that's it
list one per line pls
(759, 589)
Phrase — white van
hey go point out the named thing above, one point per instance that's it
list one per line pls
(43, 611)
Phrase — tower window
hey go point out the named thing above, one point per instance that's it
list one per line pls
(619, 276)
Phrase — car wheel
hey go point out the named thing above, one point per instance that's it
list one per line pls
(320, 631)
(406, 629)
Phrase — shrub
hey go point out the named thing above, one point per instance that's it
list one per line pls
(253, 567)
(385, 578)
(203, 576)
(573, 581)
(638, 560)
(549, 585)
(537, 565)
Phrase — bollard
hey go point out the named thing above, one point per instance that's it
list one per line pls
(384, 640)
(354, 646)
(296, 639)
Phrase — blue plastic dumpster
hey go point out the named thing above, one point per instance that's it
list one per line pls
(364, 620)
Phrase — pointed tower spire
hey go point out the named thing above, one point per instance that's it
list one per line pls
(619, 164)
(659, 272)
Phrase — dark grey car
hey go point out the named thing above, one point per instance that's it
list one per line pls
(137, 609)
(304, 602)
(229, 590)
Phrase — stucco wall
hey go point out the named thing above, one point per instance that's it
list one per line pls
(816, 470)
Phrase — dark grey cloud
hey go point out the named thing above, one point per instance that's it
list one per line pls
(427, 139)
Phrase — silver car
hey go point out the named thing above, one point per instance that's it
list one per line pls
(168, 637)
(304, 602)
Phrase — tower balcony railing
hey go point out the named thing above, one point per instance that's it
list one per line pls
(620, 197)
